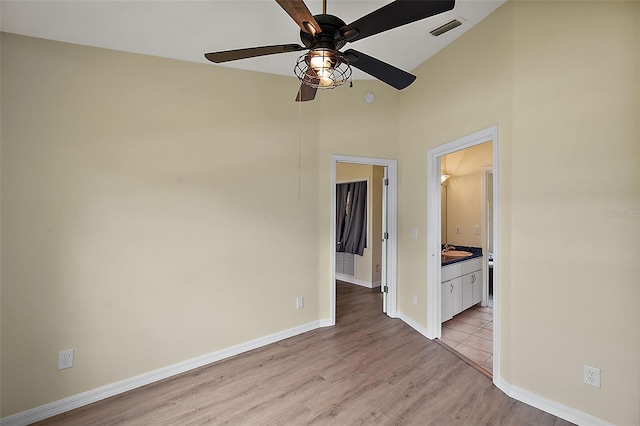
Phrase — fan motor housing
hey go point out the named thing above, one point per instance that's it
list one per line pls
(330, 35)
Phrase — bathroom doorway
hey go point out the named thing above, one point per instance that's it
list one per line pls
(463, 230)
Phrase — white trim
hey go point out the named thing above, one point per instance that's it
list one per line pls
(94, 395)
(434, 326)
(392, 220)
(411, 323)
(484, 234)
(550, 406)
(351, 280)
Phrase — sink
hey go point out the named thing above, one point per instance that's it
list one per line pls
(456, 254)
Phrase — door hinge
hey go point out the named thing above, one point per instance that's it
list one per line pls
(385, 181)
(386, 289)
(386, 235)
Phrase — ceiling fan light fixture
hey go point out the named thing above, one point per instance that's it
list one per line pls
(323, 68)
(311, 29)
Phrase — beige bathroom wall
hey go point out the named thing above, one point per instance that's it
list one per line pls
(565, 97)
(464, 193)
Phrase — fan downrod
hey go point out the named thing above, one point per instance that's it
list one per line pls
(330, 37)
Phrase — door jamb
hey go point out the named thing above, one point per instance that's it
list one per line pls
(484, 232)
(392, 226)
(434, 326)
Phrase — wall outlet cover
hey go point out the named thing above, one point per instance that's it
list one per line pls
(592, 376)
(65, 359)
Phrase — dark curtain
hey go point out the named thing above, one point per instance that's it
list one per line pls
(351, 217)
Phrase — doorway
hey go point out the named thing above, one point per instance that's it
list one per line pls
(435, 155)
(388, 235)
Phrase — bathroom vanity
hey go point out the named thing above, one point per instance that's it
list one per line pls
(461, 286)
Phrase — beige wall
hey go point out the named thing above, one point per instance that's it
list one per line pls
(464, 192)
(565, 96)
(367, 265)
(149, 204)
(135, 190)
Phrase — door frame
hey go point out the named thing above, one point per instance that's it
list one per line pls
(486, 171)
(434, 244)
(392, 226)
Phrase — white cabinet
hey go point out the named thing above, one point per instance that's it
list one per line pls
(451, 298)
(477, 287)
(446, 310)
(467, 292)
(461, 287)
(471, 289)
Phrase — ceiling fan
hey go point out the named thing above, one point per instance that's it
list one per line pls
(324, 66)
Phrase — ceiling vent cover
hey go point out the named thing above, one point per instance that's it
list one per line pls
(446, 27)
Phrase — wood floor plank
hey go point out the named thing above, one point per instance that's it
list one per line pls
(368, 369)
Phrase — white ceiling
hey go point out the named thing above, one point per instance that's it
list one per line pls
(185, 29)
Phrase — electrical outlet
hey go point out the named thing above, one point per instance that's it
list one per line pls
(476, 230)
(414, 299)
(592, 376)
(300, 303)
(414, 233)
(458, 229)
(65, 359)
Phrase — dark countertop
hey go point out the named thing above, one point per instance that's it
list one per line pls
(477, 252)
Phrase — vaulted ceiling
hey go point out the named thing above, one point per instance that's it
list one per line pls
(185, 30)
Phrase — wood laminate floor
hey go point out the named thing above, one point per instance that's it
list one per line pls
(368, 369)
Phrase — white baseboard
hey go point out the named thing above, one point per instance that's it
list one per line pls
(550, 406)
(545, 404)
(94, 395)
(411, 323)
(352, 280)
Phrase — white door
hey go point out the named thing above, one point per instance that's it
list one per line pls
(385, 238)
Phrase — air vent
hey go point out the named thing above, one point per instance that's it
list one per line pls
(446, 27)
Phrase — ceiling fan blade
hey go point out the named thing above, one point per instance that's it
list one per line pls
(300, 13)
(306, 92)
(381, 70)
(393, 15)
(251, 52)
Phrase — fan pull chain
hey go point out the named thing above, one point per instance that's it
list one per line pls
(299, 144)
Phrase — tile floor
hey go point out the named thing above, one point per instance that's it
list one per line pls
(471, 334)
